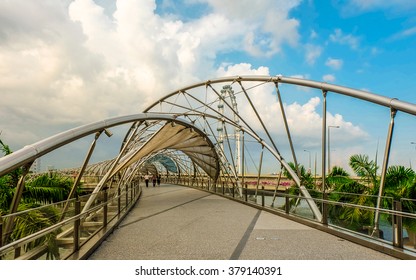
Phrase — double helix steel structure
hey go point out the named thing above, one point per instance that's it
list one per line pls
(234, 136)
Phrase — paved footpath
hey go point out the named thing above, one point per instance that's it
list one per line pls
(177, 223)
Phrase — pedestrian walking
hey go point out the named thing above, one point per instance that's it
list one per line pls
(146, 180)
(154, 180)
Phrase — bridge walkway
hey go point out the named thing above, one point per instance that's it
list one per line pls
(173, 222)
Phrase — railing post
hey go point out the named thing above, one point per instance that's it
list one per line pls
(325, 209)
(287, 206)
(1, 232)
(105, 208)
(118, 201)
(77, 224)
(262, 196)
(397, 225)
(222, 187)
(127, 195)
(17, 252)
(233, 190)
(246, 193)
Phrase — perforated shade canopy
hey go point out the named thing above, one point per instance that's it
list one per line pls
(175, 136)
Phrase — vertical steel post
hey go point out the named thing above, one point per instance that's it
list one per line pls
(287, 129)
(127, 195)
(8, 228)
(105, 210)
(242, 165)
(262, 196)
(80, 173)
(259, 173)
(287, 201)
(397, 225)
(277, 185)
(325, 209)
(376, 230)
(118, 201)
(77, 224)
(324, 218)
(1, 232)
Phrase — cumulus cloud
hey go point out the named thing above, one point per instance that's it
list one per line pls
(266, 24)
(313, 52)
(66, 63)
(329, 78)
(344, 39)
(334, 63)
(304, 120)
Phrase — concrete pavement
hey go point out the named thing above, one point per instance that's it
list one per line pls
(172, 223)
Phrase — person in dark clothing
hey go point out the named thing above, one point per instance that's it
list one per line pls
(158, 180)
(154, 180)
(146, 180)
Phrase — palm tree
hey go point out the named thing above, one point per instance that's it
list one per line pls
(365, 168)
(306, 180)
(344, 189)
(8, 182)
(39, 190)
(401, 183)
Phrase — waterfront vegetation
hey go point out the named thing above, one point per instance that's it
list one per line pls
(39, 190)
(362, 189)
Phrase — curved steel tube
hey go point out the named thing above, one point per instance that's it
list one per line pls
(394, 103)
(31, 152)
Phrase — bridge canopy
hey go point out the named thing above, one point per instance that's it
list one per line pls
(161, 141)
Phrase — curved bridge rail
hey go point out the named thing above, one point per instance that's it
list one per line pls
(77, 234)
(394, 241)
(219, 136)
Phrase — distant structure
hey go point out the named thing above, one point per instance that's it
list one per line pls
(36, 166)
(227, 91)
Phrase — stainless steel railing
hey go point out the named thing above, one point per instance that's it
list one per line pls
(75, 236)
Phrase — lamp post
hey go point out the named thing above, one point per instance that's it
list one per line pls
(329, 147)
(309, 167)
(410, 161)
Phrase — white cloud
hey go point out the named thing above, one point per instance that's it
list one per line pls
(71, 62)
(304, 119)
(334, 63)
(266, 25)
(377, 4)
(344, 39)
(329, 78)
(313, 52)
(313, 35)
(404, 34)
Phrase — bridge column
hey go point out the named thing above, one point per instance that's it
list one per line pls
(376, 230)
(397, 225)
(77, 226)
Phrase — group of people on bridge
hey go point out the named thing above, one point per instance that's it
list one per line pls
(155, 180)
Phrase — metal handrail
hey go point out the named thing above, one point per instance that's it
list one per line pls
(80, 216)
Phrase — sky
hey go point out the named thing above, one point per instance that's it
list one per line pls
(67, 63)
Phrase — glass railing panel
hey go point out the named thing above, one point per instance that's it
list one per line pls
(409, 223)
